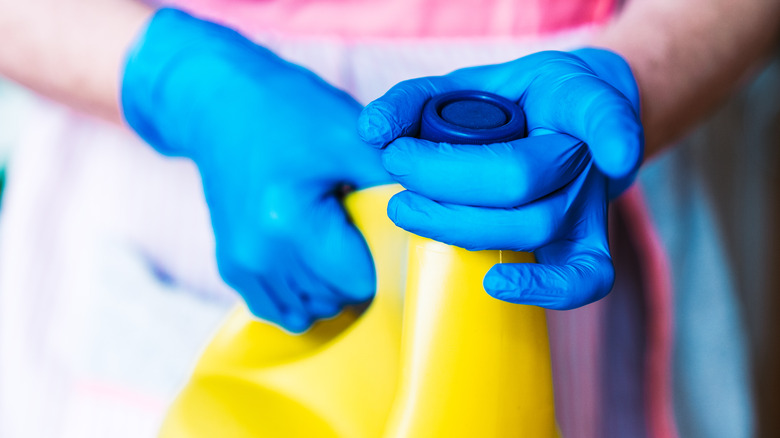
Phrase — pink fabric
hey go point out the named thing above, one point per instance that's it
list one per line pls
(577, 340)
(576, 345)
(659, 301)
(402, 18)
(576, 337)
(562, 14)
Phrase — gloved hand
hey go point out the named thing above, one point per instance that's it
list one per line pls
(276, 146)
(546, 193)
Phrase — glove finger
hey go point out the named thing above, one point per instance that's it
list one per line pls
(581, 276)
(523, 228)
(614, 69)
(317, 304)
(358, 166)
(397, 113)
(296, 317)
(251, 267)
(322, 309)
(258, 299)
(579, 103)
(318, 297)
(494, 175)
(336, 252)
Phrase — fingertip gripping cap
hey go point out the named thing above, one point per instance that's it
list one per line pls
(471, 117)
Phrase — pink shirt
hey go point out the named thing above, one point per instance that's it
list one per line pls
(350, 19)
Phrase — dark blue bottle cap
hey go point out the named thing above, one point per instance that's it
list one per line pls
(471, 117)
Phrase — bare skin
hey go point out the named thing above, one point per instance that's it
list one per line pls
(687, 55)
(70, 50)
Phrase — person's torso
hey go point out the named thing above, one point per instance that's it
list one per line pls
(403, 18)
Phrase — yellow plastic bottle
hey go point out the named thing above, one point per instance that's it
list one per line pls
(469, 365)
(432, 356)
(338, 379)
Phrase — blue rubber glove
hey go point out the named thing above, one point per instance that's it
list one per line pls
(546, 193)
(276, 147)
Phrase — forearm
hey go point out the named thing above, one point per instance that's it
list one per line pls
(70, 50)
(688, 56)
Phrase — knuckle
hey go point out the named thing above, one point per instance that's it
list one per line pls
(259, 309)
(566, 302)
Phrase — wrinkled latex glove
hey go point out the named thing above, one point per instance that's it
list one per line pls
(546, 193)
(275, 146)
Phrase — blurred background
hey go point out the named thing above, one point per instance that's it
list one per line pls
(101, 334)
